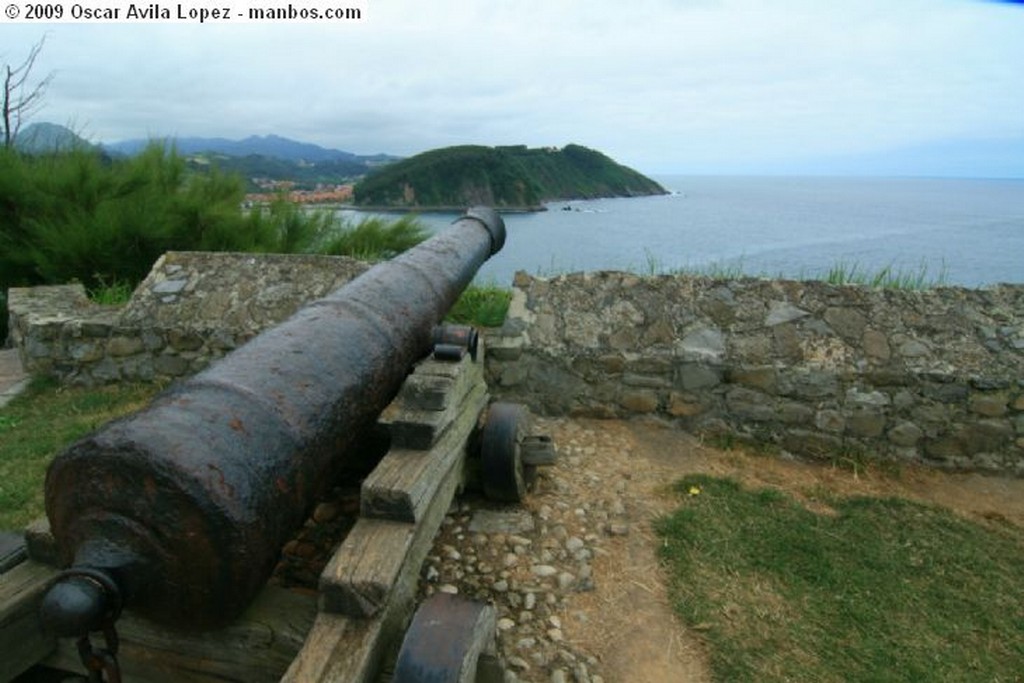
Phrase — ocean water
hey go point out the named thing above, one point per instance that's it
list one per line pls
(968, 232)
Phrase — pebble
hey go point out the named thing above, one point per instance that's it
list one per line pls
(532, 572)
(518, 663)
(326, 512)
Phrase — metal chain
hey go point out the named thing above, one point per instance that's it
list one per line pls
(101, 663)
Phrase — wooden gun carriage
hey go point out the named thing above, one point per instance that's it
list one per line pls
(177, 514)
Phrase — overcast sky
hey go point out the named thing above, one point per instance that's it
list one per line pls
(732, 86)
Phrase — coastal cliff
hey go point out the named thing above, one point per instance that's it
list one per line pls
(508, 178)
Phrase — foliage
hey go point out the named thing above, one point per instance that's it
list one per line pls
(103, 222)
(515, 177)
(881, 590)
(36, 425)
(112, 293)
(482, 306)
(375, 239)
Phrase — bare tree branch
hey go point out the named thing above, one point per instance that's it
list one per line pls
(20, 99)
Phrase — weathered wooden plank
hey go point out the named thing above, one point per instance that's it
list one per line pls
(338, 648)
(404, 482)
(357, 580)
(39, 540)
(417, 429)
(380, 558)
(257, 648)
(12, 550)
(22, 640)
(342, 648)
(436, 384)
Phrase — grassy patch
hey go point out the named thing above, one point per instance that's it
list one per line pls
(884, 590)
(38, 424)
(113, 293)
(890, 276)
(481, 305)
(886, 277)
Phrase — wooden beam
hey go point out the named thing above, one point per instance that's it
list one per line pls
(404, 482)
(380, 558)
(22, 640)
(257, 648)
(418, 429)
(12, 550)
(435, 384)
(40, 542)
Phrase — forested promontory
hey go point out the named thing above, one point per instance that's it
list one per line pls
(516, 177)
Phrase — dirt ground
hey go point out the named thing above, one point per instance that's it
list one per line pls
(626, 622)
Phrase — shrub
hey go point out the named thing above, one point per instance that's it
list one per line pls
(101, 221)
(375, 239)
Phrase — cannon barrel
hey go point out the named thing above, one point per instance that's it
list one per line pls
(181, 509)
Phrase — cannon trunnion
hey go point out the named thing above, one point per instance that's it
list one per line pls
(180, 510)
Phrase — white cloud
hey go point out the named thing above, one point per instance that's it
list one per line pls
(659, 84)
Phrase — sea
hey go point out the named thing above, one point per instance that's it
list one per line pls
(967, 232)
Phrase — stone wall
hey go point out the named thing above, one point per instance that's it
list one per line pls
(818, 370)
(815, 369)
(192, 308)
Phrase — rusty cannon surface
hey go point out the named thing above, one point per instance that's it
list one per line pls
(179, 511)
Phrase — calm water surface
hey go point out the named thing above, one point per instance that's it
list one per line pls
(969, 231)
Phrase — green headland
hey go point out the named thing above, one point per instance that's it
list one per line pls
(508, 178)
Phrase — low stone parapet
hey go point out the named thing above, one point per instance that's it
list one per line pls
(814, 369)
(192, 308)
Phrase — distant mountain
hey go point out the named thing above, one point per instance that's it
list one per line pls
(513, 177)
(42, 138)
(273, 146)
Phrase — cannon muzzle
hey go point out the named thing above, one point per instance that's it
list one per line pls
(185, 505)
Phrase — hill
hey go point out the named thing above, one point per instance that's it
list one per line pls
(273, 146)
(304, 175)
(266, 157)
(44, 138)
(504, 177)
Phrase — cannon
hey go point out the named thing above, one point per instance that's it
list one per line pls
(179, 511)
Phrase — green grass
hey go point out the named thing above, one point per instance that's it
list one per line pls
(482, 306)
(111, 293)
(884, 590)
(36, 425)
(886, 277)
(890, 276)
